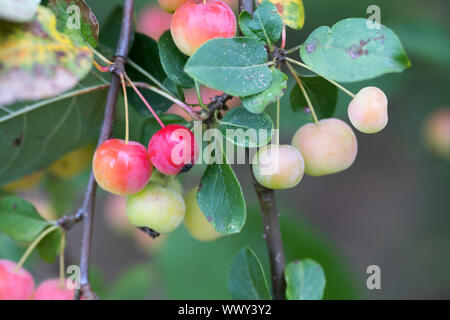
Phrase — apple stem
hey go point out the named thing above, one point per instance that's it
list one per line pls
(283, 37)
(144, 101)
(329, 80)
(62, 269)
(277, 132)
(199, 96)
(100, 56)
(300, 84)
(288, 51)
(99, 67)
(125, 99)
(33, 245)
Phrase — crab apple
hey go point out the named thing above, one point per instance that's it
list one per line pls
(278, 166)
(170, 182)
(158, 208)
(121, 168)
(72, 163)
(171, 5)
(173, 149)
(327, 147)
(437, 132)
(196, 22)
(195, 221)
(15, 285)
(25, 183)
(52, 289)
(368, 110)
(153, 21)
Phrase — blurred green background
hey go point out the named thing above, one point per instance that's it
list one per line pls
(391, 208)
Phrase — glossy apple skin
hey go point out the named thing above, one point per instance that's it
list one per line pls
(173, 148)
(15, 285)
(121, 168)
(328, 147)
(72, 163)
(171, 5)
(278, 166)
(195, 221)
(437, 133)
(368, 110)
(158, 208)
(51, 290)
(153, 21)
(196, 22)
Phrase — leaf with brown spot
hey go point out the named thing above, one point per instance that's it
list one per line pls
(38, 61)
(18, 11)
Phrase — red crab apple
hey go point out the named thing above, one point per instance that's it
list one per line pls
(52, 289)
(173, 149)
(121, 168)
(278, 166)
(368, 110)
(15, 285)
(327, 147)
(153, 21)
(437, 132)
(196, 22)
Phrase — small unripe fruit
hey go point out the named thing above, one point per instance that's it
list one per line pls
(195, 221)
(72, 163)
(437, 133)
(25, 183)
(327, 147)
(158, 208)
(368, 110)
(171, 182)
(121, 168)
(15, 285)
(173, 149)
(51, 289)
(153, 21)
(196, 22)
(171, 5)
(278, 166)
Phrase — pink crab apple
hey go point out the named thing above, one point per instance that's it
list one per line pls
(327, 147)
(52, 289)
(368, 110)
(122, 168)
(173, 149)
(278, 166)
(153, 21)
(437, 132)
(15, 285)
(196, 22)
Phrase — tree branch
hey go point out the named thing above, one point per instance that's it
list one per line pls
(86, 211)
(269, 213)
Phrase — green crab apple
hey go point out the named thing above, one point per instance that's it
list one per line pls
(158, 208)
(52, 289)
(122, 168)
(278, 166)
(327, 147)
(171, 182)
(15, 285)
(437, 132)
(195, 221)
(197, 21)
(171, 5)
(368, 110)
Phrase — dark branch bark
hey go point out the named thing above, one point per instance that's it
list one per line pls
(270, 215)
(86, 212)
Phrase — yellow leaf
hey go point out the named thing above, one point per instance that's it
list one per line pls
(292, 11)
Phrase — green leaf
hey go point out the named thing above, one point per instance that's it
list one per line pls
(247, 279)
(174, 88)
(145, 53)
(237, 66)
(292, 12)
(37, 61)
(323, 96)
(49, 247)
(173, 61)
(20, 220)
(220, 198)
(265, 25)
(76, 20)
(110, 30)
(18, 11)
(350, 51)
(258, 102)
(29, 144)
(305, 280)
(246, 129)
(151, 126)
